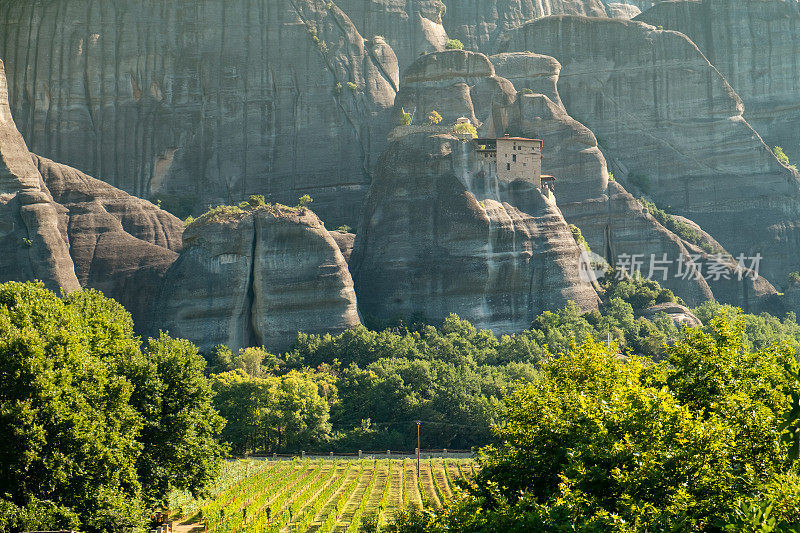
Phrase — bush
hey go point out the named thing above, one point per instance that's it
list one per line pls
(783, 158)
(434, 118)
(302, 203)
(678, 227)
(405, 118)
(454, 44)
(465, 128)
(579, 239)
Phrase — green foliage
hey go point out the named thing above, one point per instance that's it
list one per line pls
(638, 291)
(345, 229)
(794, 278)
(352, 86)
(454, 44)
(611, 177)
(678, 227)
(337, 89)
(465, 128)
(302, 203)
(257, 200)
(188, 221)
(595, 443)
(783, 158)
(27, 242)
(525, 90)
(82, 411)
(273, 413)
(434, 118)
(579, 239)
(405, 118)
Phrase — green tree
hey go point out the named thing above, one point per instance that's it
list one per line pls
(595, 443)
(405, 118)
(181, 427)
(454, 44)
(81, 408)
(274, 413)
(434, 118)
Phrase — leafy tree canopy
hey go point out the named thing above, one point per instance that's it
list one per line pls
(94, 429)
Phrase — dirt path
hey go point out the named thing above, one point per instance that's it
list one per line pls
(188, 525)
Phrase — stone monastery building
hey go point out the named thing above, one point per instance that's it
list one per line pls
(513, 158)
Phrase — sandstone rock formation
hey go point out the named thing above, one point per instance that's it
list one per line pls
(32, 226)
(256, 277)
(203, 103)
(673, 127)
(119, 244)
(70, 230)
(411, 27)
(612, 221)
(478, 23)
(755, 46)
(622, 11)
(679, 314)
(437, 238)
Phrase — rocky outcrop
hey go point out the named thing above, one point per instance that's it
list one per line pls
(344, 240)
(622, 11)
(679, 314)
(673, 128)
(755, 46)
(613, 222)
(478, 23)
(33, 232)
(410, 27)
(205, 103)
(119, 244)
(436, 237)
(256, 277)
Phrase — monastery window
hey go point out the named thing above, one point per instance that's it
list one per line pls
(514, 158)
(508, 166)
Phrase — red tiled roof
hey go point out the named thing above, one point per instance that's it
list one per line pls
(518, 139)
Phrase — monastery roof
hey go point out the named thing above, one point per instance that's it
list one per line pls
(518, 139)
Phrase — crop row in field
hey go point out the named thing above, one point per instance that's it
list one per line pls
(320, 496)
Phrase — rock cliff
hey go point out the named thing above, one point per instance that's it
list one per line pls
(33, 230)
(256, 277)
(203, 102)
(755, 46)
(69, 230)
(673, 128)
(612, 221)
(436, 238)
(119, 244)
(478, 23)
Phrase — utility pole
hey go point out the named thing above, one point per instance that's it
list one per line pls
(418, 448)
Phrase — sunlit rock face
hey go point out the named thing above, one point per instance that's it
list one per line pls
(119, 244)
(671, 127)
(478, 23)
(199, 102)
(33, 229)
(755, 45)
(255, 279)
(438, 237)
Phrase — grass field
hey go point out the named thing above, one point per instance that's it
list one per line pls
(320, 495)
